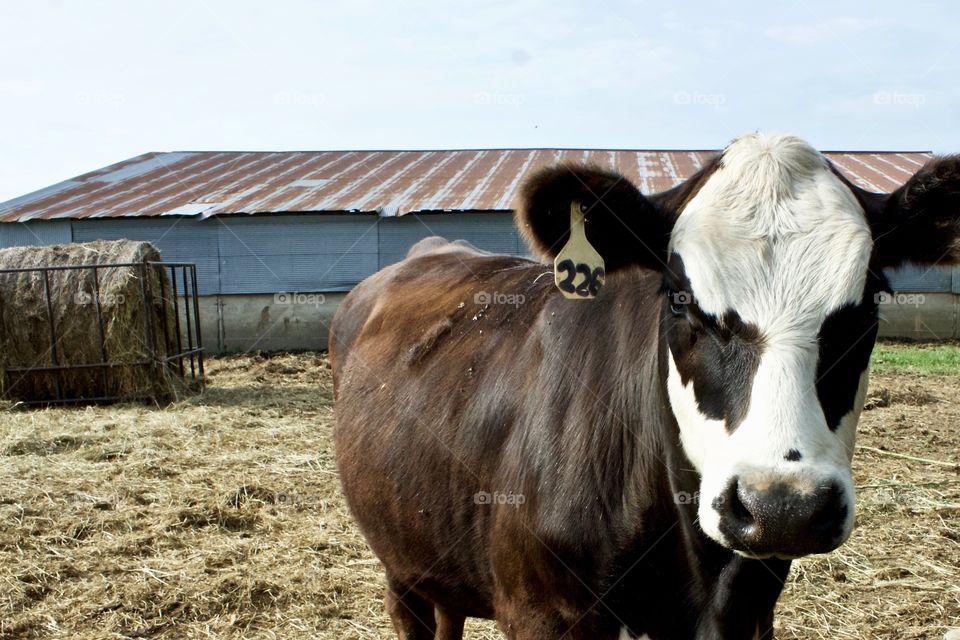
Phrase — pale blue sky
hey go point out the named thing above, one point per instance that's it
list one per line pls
(87, 83)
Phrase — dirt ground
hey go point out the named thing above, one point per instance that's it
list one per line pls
(220, 517)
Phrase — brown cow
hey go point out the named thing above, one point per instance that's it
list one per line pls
(646, 463)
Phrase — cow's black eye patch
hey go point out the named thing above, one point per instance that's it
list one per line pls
(720, 355)
(845, 343)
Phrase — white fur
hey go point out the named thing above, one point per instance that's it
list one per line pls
(625, 635)
(775, 236)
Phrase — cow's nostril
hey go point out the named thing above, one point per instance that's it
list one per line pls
(737, 515)
(830, 514)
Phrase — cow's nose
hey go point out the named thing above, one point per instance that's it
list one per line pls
(779, 518)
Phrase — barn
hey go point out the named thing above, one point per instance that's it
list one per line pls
(279, 237)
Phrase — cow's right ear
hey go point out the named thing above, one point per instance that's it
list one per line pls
(919, 223)
(622, 225)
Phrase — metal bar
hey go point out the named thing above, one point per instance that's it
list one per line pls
(196, 315)
(186, 315)
(176, 316)
(68, 267)
(187, 310)
(88, 365)
(193, 372)
(147, 325)
(176, 320)
(126, 398)
(7, 378)
(93, 265)
(100, 330)
(171, 264)
(53, 335)
(163, 309)
(184, 354)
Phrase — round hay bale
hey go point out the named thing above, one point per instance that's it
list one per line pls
(137, 322)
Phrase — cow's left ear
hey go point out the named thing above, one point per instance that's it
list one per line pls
(920, 221)
(621, 224)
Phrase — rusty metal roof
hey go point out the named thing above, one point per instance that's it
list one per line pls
(209, 183)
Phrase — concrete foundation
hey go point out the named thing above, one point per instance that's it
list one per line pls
(920, 316)
(298, 321)
(270, 322)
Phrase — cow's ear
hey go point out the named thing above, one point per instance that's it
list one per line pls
(920, 221)
(620, 223)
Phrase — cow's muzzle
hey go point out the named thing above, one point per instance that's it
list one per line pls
(763, 517)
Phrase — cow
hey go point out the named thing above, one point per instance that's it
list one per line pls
(647, 462)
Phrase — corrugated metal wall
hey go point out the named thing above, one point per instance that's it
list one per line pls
(296, 253)
(256, 254)
(307, 252)
(40, 232)
(926, 279)
(489, 231)
(178, 239)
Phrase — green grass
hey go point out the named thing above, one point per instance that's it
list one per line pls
(925, 359)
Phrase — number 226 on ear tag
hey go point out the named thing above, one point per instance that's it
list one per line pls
(578, 269)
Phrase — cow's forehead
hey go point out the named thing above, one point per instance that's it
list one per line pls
(774, 235)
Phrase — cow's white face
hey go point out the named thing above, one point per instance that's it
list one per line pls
(770, 320)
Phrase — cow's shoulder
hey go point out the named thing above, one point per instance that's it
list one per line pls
(438, 244)
(441, 290)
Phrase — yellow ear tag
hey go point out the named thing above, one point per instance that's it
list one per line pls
(578, 269)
